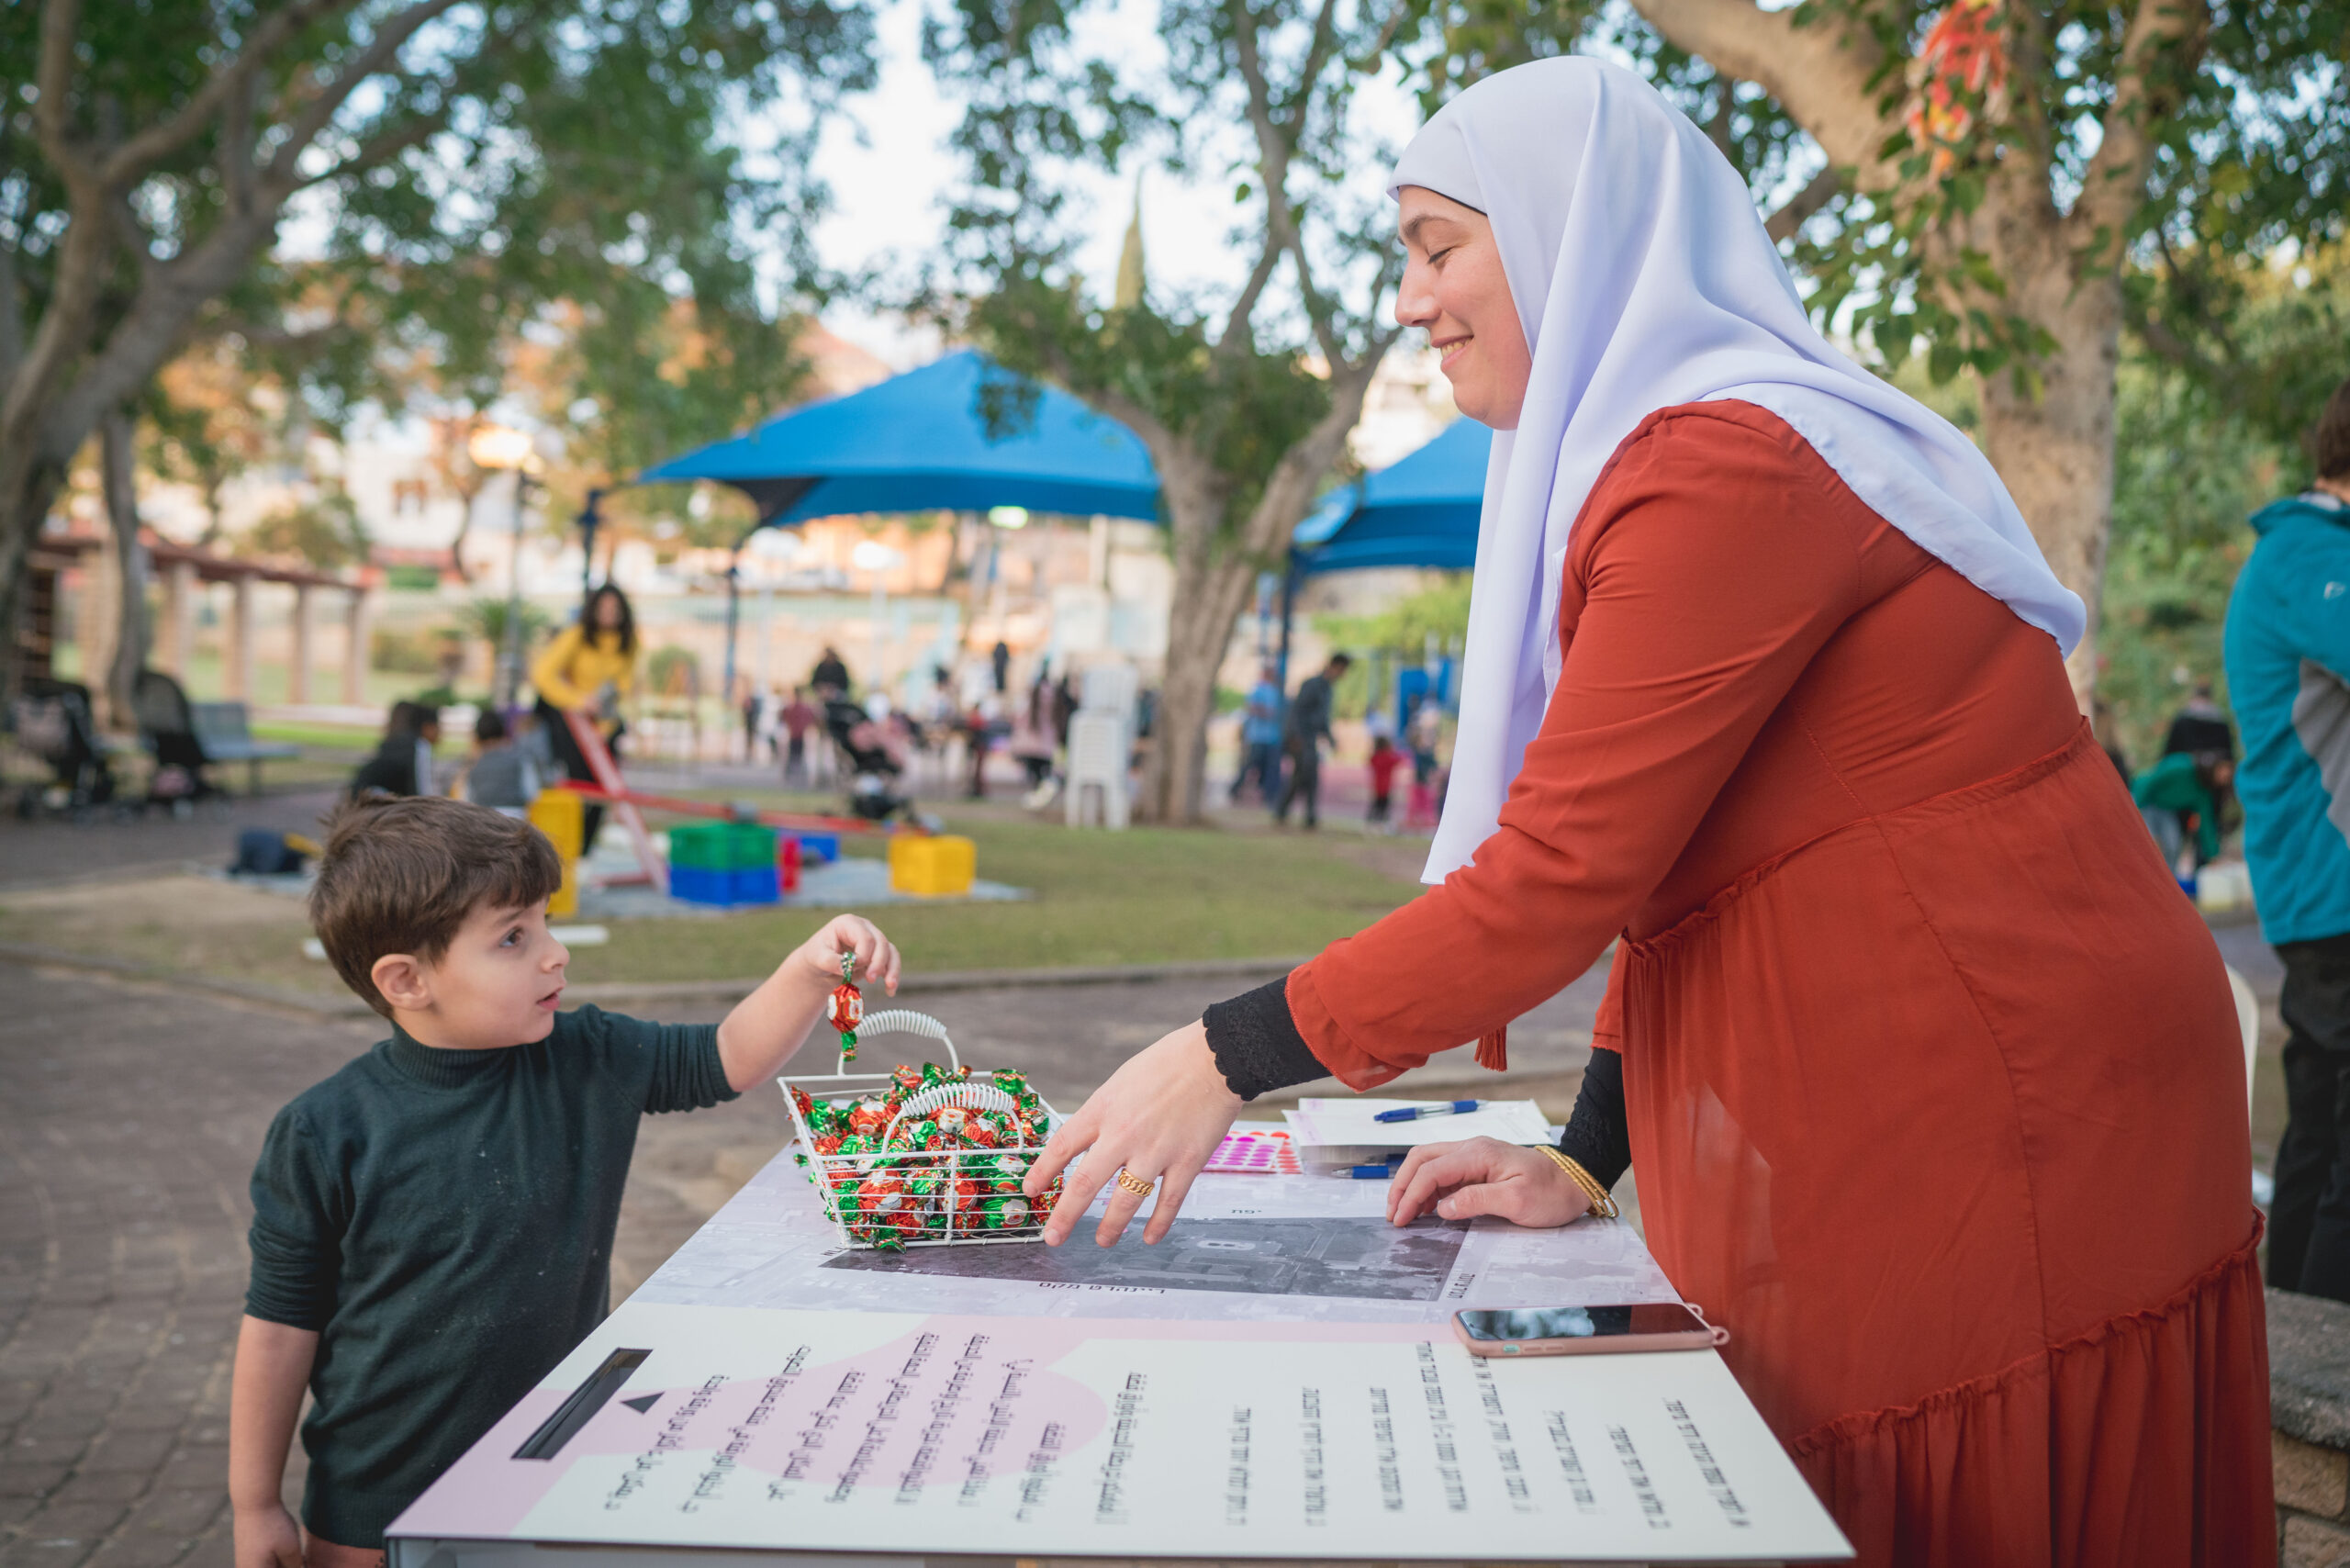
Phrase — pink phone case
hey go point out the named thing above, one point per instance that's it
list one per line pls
(1710, 1338)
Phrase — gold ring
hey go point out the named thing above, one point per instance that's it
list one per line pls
(1133, 1183)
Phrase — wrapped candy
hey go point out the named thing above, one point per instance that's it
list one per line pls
(882, 1194)
(847, 1010)
(867, 1120)
(950, 1119)
(907, 1079)
(1003, 1212)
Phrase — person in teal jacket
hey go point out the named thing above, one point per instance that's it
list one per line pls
(2288, 648)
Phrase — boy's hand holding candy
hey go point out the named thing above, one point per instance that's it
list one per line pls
(774, 1021)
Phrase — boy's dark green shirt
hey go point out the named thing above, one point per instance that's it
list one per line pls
(444, 1220)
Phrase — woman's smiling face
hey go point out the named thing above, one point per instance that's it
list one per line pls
(1454, 290)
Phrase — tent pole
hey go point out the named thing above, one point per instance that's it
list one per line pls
(1288, 607)
(733, 598)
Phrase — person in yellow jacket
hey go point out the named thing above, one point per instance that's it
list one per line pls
(587, 669)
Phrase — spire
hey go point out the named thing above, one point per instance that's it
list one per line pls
(1130, 275)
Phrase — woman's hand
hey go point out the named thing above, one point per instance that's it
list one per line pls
(1160, 1116)
(1485, 1176)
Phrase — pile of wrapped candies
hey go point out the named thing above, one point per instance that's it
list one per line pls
(953, 1173)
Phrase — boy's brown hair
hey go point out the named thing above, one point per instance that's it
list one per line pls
(400, 876)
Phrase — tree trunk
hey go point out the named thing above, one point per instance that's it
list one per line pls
(28, 487)
(1209, 584)
(127, 555)
(2055, 452)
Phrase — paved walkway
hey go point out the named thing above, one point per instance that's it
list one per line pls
(129, 1117)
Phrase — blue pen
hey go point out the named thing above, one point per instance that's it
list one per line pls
(1415, 1113)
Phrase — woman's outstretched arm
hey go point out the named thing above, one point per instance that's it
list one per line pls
(1713, 564)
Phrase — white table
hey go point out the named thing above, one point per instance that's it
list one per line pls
(1278, 1381)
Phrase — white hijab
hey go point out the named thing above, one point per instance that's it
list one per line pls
(1605, 197)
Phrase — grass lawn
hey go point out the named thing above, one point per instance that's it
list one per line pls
(1148, 895)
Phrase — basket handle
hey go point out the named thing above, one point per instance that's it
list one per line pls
(938, 1096)
(905, 1021)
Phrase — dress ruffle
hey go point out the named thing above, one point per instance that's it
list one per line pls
(2140, 1444)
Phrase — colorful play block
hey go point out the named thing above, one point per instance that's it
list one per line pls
(932, 864)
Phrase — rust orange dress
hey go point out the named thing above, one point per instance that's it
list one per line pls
(1933, 1082)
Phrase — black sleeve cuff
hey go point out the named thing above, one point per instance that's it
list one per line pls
(1597, 1138)
(1256, 1046)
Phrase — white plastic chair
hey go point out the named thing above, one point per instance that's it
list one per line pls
(1097, 770)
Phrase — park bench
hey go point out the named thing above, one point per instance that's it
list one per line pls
(224, 730)
(193, 736)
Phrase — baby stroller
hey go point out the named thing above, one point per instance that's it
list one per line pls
(167, 728)
(873, 768)
(51, 720)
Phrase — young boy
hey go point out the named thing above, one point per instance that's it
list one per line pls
(432, 1226)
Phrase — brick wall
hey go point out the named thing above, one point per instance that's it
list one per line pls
(2308, 1371)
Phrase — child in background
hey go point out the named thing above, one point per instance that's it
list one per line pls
(432, 1226)
(1424, 732)
(502, 774)
(1385, 763)
(798, 716)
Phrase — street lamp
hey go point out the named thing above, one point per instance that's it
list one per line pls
(501, 447)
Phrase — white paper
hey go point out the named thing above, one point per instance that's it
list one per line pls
(878, 1432)
(1349, 1124)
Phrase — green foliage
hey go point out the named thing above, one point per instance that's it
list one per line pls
(485, 618)
(1244, 411)
(2251, 120)
(511, 156)
(400, 651)
(1405, 628)
(2189, 472)
(324, 532)
(1230, 378)
(673, 671)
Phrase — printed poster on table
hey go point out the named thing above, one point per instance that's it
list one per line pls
(721, 1427)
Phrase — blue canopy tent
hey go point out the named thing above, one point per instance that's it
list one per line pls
(1420, 512)
(920, 443)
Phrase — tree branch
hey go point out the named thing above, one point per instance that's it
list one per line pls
(1820, 72)
(136, 155)
(376, 148)
(380, 53)
(1238, 333)
(236, 151)
(60, 20)
(2165, 40)
(12, 316)
(1782, 224)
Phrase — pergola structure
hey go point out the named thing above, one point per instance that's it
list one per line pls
(179, 568)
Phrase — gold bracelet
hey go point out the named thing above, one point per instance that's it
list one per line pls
(1603, 1203)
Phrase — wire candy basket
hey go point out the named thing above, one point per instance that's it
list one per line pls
(884, 1199)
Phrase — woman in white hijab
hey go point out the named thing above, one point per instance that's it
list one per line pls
(1929, 1075)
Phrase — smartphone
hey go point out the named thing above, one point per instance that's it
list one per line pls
(1586, 1331)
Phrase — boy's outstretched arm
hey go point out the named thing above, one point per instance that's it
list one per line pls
(771, 1023)
(264, 1397)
